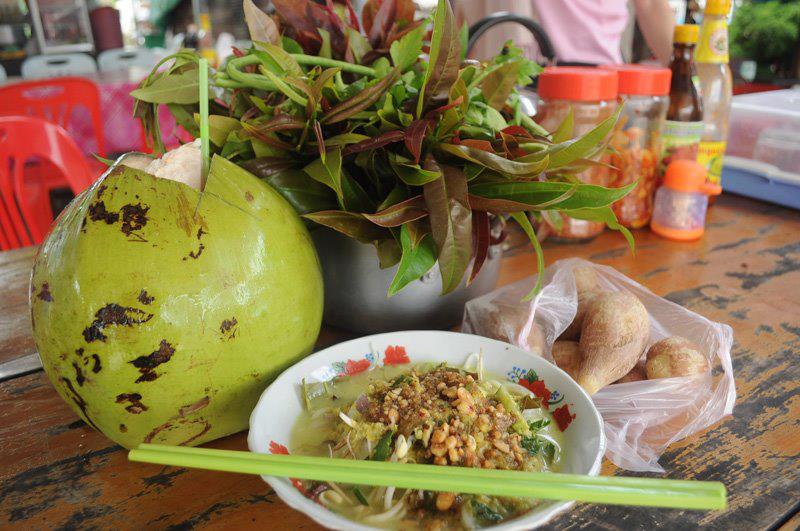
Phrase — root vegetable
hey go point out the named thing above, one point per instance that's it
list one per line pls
(536, 339)
(587, 285)
(567, 355)
(675, 356)
(637, 374)
(614, 334)
(506, 323)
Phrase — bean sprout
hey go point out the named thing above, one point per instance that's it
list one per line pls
(347, 420)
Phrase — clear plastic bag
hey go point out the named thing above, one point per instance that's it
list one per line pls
(641, 418)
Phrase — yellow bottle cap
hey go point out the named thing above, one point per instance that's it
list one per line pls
(686, 33)
(717, 7)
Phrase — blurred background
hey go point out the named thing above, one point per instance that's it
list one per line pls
(75, 62)
(763, 34)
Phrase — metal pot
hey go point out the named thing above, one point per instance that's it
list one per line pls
(356, 289)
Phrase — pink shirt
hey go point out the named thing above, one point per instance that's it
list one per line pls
(586, 31)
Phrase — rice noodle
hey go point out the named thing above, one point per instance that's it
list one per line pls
(396, 511)
(467, 518)
(376, 495)
(339, 491)
(387, 498)
(330, 498)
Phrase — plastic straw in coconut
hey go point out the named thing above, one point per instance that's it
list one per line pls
(205, 148)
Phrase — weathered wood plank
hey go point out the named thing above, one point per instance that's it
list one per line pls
(57, 472)
(15, 327)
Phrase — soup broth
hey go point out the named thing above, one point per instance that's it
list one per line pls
(430, 414)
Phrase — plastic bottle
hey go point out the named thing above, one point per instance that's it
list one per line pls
(681, 203)
(716, 86)
(680, 138)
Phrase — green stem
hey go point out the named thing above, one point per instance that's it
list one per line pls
(234, 77)
(228, 83)
(255, 81)
(532, 126)
(333, 63)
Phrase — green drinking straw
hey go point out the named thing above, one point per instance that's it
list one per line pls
(702, 495)
(205, 147)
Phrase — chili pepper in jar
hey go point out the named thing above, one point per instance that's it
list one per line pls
(636, 140)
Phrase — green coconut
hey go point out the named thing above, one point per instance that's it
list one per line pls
(161, 317)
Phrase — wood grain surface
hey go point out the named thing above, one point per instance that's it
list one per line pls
(15, 329)
(55, 472)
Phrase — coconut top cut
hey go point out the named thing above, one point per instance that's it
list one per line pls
(182, 164)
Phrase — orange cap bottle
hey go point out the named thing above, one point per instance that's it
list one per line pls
(680, 206)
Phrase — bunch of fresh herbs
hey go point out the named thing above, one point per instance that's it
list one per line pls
(364, 133)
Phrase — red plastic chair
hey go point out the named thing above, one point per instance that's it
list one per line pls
(55, 100)
(25, 197)
(8, 240)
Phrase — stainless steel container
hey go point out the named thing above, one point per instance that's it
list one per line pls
(356, 289)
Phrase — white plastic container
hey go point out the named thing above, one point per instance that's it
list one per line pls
(763, 155)
(765, 119)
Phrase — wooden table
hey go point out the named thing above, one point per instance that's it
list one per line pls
(56, 472)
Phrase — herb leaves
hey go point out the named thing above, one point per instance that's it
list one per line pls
(361, 134)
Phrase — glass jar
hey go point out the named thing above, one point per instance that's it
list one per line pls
(636, 140)
(591, 93)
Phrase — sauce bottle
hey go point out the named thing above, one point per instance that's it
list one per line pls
(716, 86)
(680, 138)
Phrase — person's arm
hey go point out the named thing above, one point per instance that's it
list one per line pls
(657, 23)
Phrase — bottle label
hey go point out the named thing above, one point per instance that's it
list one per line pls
(712, 46)
(679, 141)
(709, 154)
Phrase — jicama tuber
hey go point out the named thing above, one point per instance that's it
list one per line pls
(567, 355)
(675, 356)
(637, 374)
(614, 335)
(506, 323)
(587, 285)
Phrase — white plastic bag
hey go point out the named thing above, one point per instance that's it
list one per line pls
(641, 418)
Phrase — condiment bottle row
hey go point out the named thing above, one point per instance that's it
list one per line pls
(662, 120)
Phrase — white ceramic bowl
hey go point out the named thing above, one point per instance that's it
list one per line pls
(281, 404)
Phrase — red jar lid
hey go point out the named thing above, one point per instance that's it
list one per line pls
(642, 80)
(577, 83)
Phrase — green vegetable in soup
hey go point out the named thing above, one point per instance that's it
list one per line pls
(485, 513)
(384, 448)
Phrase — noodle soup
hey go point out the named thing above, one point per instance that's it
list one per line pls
(429, 414)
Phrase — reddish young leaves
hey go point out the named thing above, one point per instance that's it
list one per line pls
(415, 134)
(445, 59)
(349, 224)
(360, 101)
(400, 214)
(483, 145)
(451, 221)
(389, 137)
(480, 237)
(320, 139)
